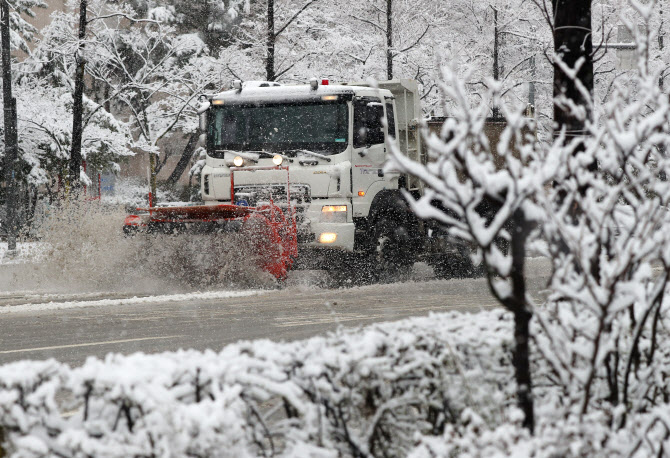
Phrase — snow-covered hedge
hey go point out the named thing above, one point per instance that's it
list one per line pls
(593, 435)
(439, 386)
(353, 393)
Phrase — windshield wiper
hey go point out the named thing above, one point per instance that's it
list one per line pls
(311, 153)
(255, 160)
(271, 154)
(248, 155)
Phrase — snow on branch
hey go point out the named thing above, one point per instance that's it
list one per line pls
(595, 203)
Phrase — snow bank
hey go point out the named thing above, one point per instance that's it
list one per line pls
(202, 296)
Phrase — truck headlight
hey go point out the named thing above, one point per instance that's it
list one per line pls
(334, 213)
(328, 237)
(277, 159)
(238, 161)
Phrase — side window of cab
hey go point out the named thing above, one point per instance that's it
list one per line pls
(368, 125)
(390, 117)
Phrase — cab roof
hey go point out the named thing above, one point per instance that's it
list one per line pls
(297, 93)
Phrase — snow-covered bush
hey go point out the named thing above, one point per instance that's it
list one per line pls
(353, 393)
(438, 386)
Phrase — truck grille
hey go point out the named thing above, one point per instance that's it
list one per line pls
(254, 195)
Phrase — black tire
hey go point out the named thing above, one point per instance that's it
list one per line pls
(389, 254)
(457, 264)
(393, 245)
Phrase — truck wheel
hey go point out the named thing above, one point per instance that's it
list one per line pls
(394, 248)
(457, 265)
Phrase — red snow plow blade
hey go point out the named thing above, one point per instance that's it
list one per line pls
(271, 231)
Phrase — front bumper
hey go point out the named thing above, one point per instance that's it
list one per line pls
(343, 232)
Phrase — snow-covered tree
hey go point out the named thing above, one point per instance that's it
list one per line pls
(211, 20)
(45, 135)
(272, 33)
(23, 31)
(595, 205)
(153, 75)
(606, 228)
(15, 31)
(56, 68)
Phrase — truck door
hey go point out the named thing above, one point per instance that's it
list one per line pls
(369, 151)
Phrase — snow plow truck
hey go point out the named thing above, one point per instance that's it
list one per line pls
(300, 169)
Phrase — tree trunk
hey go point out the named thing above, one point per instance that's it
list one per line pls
(185, 158)
(522, 317)
(2, 444)
(572, 42)
(519, 229)
(153, 191)
(389, 39)
(496, 59)
(270, 44)
(78, 103)
(11, 135)
(521, 360)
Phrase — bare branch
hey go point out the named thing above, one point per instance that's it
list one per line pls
(294, 17)
(417, 40)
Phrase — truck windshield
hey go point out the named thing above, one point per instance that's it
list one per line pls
(314, 126)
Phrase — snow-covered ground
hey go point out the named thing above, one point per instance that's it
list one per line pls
(25, 252)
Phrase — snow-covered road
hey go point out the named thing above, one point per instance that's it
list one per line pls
(72, 327)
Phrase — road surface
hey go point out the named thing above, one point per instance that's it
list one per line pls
(96, 324)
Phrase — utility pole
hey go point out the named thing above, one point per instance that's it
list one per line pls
(531, 85)
(661, 45)
(78, 103)
(11, 136)
(661, 41)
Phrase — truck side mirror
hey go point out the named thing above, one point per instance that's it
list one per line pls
(202, 115)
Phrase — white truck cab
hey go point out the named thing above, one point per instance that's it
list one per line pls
(333, 142)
